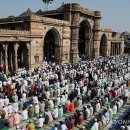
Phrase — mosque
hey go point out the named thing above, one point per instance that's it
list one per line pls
(65, 35)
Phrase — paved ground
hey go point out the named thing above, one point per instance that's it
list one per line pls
(120, 113)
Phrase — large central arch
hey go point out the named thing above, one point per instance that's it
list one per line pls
(22, 56)
(51, 47)
(84, 40)
(103, 45)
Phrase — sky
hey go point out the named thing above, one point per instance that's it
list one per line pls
(115, 13)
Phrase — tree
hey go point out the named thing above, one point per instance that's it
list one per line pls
(47, 2)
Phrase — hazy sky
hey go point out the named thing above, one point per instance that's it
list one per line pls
(115, 13)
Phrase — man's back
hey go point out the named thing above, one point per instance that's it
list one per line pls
(31, 126)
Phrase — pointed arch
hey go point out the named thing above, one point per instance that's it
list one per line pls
(103, 45)
(84, 39)
(51, 47)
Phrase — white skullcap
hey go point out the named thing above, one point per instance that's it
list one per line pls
(17, 127)
(122, 127)
(9, 114)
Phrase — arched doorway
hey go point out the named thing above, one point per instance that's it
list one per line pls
(52, 46)
(84, 40)
(22, 56)
(103, 45)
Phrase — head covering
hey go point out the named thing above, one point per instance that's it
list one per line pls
(9, 114)
(21, 99)
(123, 127)
(40, 116)
(17, 127)
(95, 119)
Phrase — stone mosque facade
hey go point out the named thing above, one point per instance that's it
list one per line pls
(64, 35)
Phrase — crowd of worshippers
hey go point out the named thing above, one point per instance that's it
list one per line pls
(50, 91)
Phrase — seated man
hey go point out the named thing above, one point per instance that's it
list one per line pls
(40, 121)
(10, 120)
(31, 125)
(2, 122)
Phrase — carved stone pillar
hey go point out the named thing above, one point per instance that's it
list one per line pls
(96, 31)
(11, 63)
(16, 45)
(118, 50)
(1, 56)
(113, 50)
(72, 14)
(28, 55)
(5, 47)
(74, 53)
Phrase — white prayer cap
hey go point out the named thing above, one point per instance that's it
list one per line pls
(40, 115)
(95, 119)
(30, 120)
(123, 127)
(17, 127)
(4, 83)
(9, 114)
(30, 105)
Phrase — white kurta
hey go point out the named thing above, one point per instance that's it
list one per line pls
(40, 122)
(24, 115)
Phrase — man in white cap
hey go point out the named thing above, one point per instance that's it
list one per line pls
(18, 127)
(5, 108)
(55, 112)
(24, 114)
(51, 104)
(35, 99)
(63, 126)
(10, 120)
(31, 111)
(40, 122)
(88, 111)
(114, 109)
(1, 102)
(15, 97)
(97, 106)
(6, 101)
(10, 108)
(83, 128)
(37, 109)
(95, 125)
(60, 111)
(24, 96)
(62, 100)
(0, 84)
(21, 104)
(15, 106)
(91, 110)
